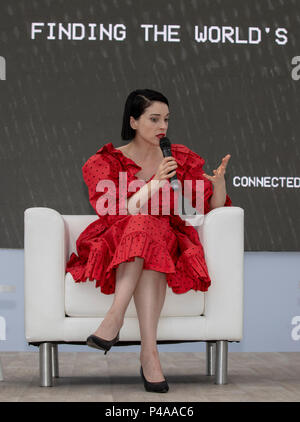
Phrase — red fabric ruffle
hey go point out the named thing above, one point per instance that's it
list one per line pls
(191, 272)
(102, 261)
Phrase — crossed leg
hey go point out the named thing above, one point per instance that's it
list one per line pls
(149, 289)
(127, 277)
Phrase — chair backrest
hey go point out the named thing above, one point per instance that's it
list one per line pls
(74, 225)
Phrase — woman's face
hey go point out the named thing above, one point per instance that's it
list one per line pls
(151, 123)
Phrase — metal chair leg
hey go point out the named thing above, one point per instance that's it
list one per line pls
(1, 373)
(46, 379)
(210, 358)
(221, 362)
(54, 357)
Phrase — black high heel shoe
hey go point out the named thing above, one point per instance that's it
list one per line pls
(155, 387)
(100, 343)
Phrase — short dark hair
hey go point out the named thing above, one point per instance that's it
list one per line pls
(136, 103)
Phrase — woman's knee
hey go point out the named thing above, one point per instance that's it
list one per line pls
(154, 275)
(130, 266)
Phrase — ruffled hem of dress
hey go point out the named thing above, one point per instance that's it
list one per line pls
(90, 269)
(101, 262)
(191, 272)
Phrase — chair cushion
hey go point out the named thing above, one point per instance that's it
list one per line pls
(84, 300)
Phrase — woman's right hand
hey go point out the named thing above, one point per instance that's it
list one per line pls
(164, 170)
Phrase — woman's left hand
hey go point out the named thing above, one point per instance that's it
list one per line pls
(218, 177)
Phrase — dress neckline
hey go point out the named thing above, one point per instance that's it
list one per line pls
(127, 158)
(180, 152)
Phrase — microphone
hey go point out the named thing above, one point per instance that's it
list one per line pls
(165, 146)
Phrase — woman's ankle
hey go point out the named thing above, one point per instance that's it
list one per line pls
(116, 316)
(149, 353)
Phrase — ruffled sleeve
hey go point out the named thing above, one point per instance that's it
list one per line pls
(194, 171)
(101, 175)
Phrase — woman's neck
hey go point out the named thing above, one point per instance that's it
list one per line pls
(143, 152)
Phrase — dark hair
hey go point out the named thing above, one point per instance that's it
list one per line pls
(136, 103)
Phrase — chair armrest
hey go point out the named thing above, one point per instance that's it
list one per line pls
(44, 273)
(222, 237)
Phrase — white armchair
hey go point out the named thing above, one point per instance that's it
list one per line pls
(58, 310)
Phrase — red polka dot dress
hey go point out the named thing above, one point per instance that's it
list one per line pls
(164, 240)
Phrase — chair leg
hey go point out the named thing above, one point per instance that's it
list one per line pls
(54, 358)
(210, 358)
(46, 379)
(1, 373)
(221, 362)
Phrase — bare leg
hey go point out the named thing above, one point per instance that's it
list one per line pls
(127, 276)
(149, 297)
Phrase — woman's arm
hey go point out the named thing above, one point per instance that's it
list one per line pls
(161, 177)
(137, 200)
(218, 197)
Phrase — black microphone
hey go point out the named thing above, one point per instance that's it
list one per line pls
(165, 146)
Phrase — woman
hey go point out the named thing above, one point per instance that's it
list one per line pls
(134, 254)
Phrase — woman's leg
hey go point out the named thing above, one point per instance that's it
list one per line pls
(127, 276)
(149, 297)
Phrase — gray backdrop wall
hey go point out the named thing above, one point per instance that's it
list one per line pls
(229, 68)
